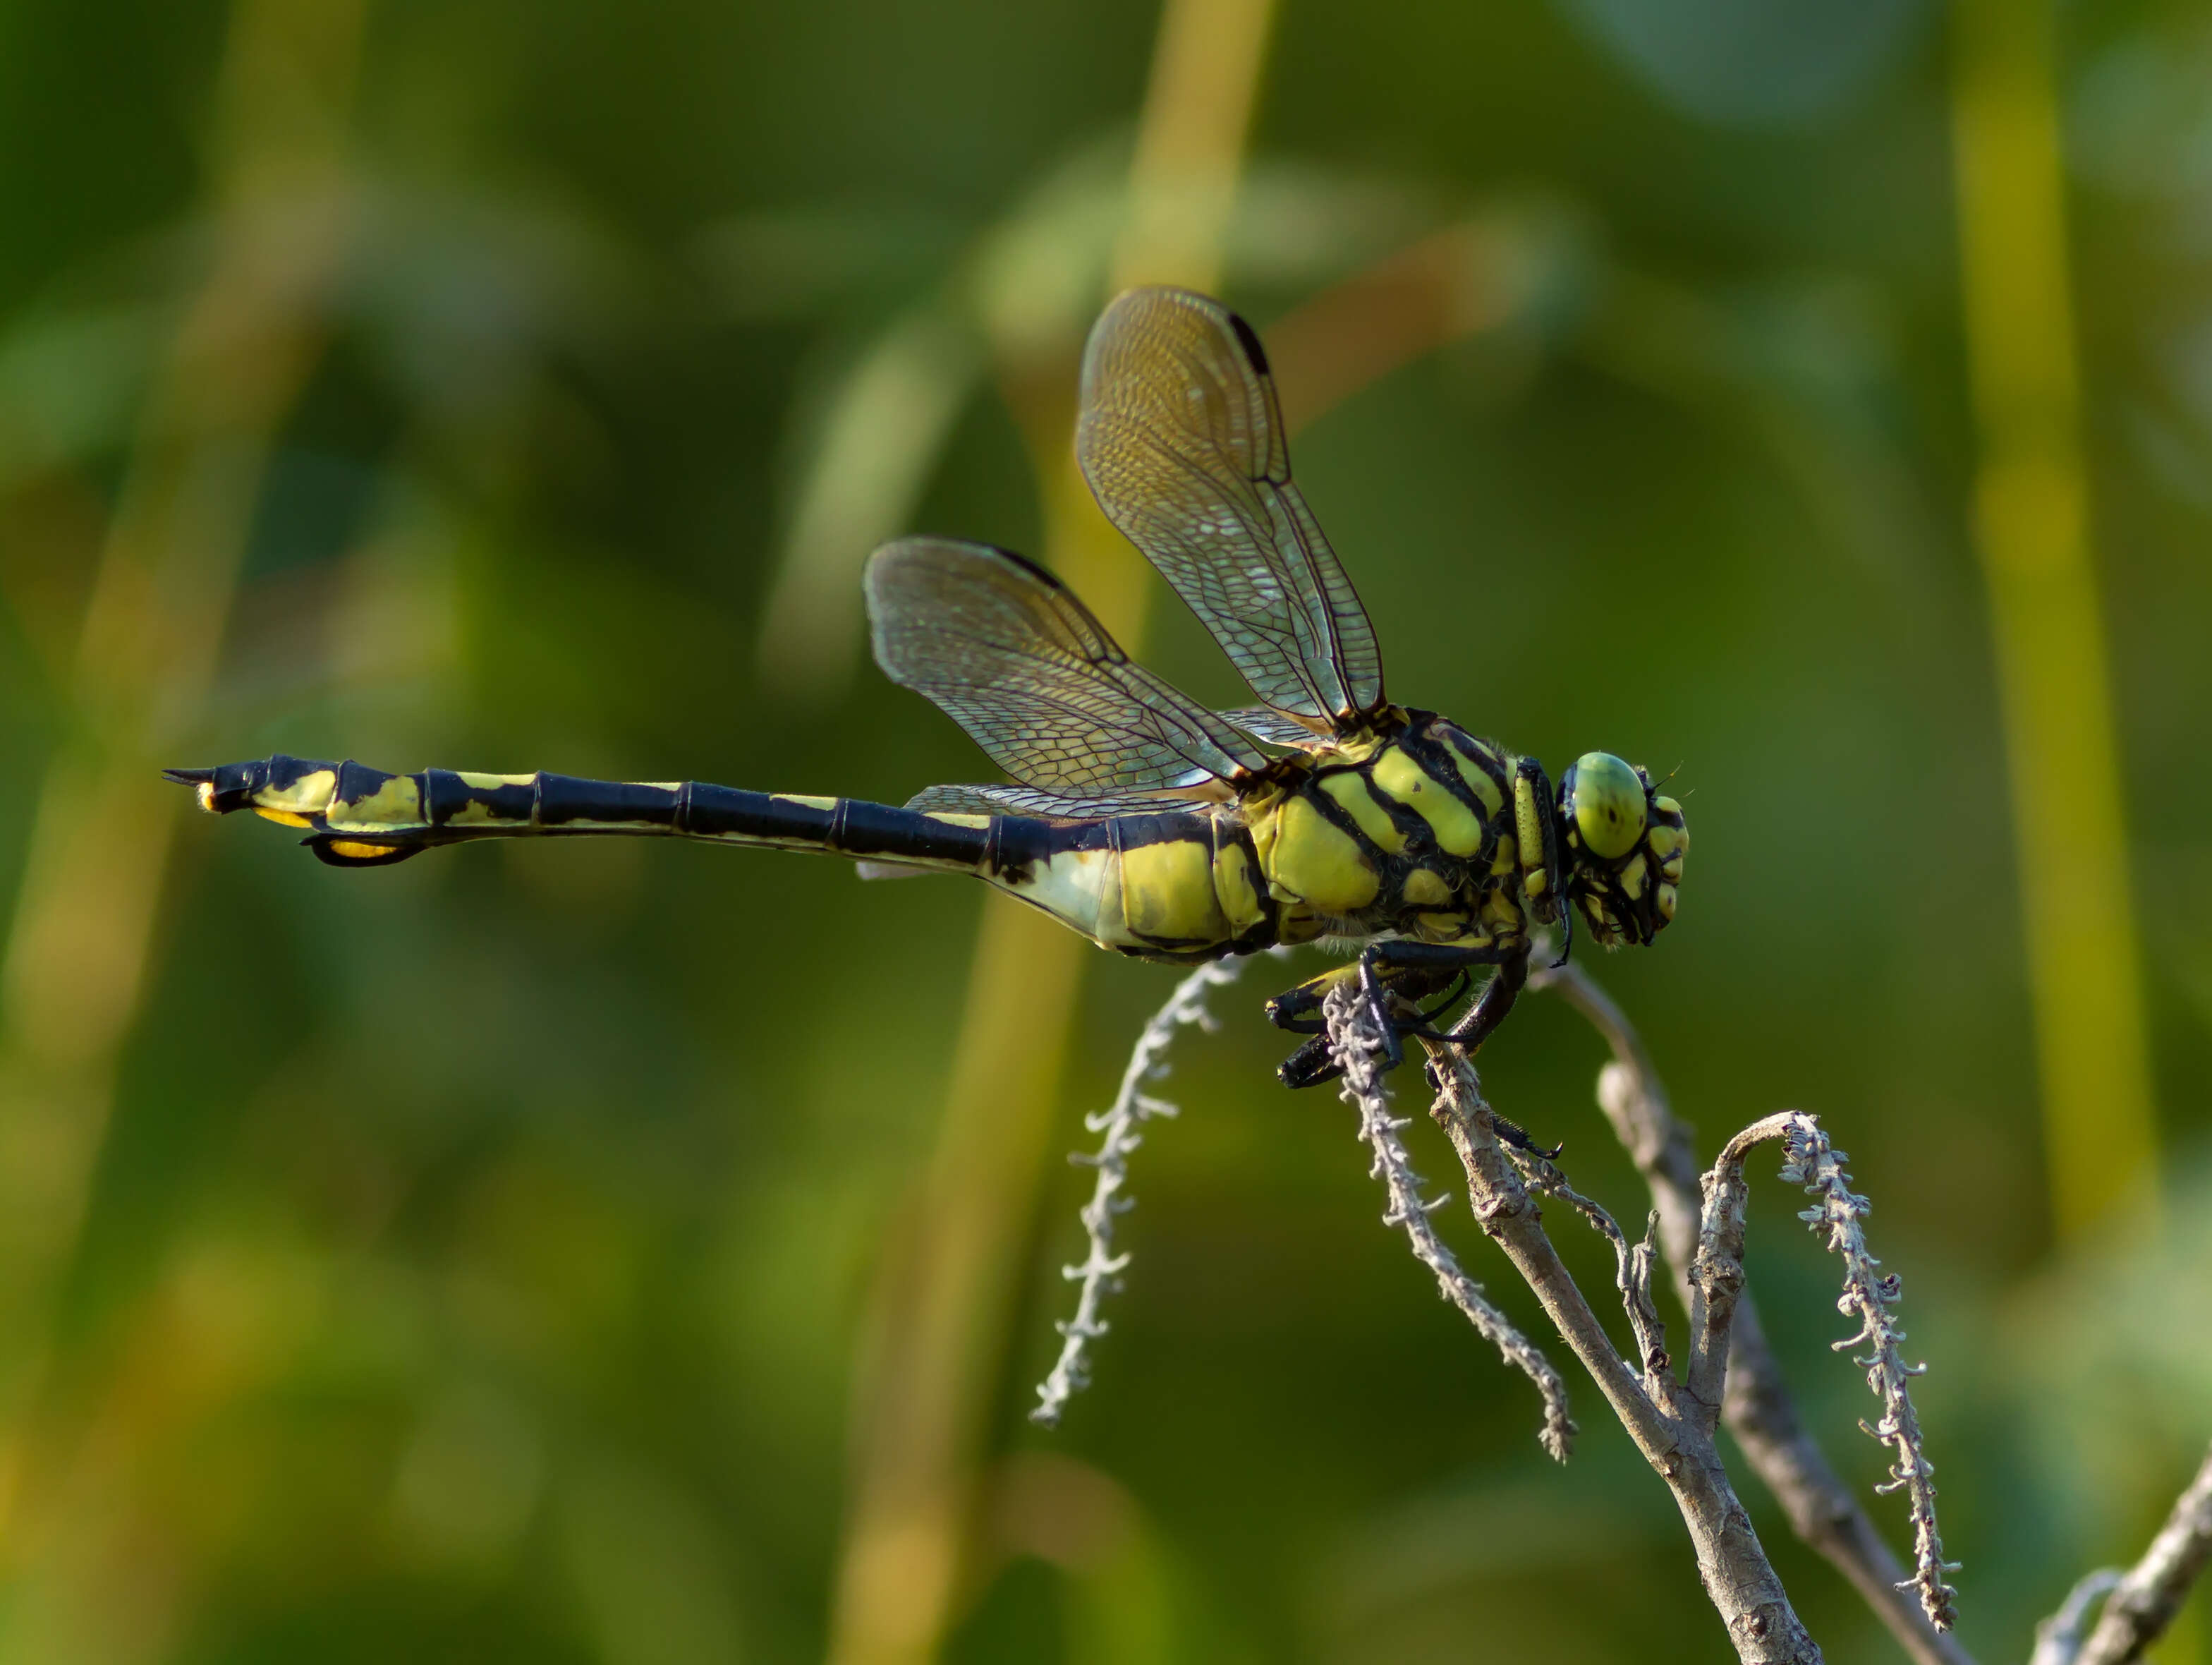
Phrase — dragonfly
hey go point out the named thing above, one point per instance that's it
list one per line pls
(1149, 823)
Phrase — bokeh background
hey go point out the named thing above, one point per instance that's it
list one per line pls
(644, 1253)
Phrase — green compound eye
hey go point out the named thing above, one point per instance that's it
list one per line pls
(1608, 804)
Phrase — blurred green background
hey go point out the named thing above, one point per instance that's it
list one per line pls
(503, 1256)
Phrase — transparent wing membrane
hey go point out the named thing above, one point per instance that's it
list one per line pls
(1181, 440)
(1265, 723)
(1019, 662)
(1027, 800)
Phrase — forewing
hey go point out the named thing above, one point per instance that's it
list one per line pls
(1181, 440)
(1013, 657)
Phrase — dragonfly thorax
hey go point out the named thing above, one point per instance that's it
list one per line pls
(1413, 834)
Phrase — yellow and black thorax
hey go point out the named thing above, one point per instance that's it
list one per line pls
(1420, 828)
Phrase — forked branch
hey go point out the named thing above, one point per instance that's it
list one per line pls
(1741, 1583)
(1632, 1263)
(1730, 1373)
(1757, 1405)
(1716, 1284)
(2142, 1600)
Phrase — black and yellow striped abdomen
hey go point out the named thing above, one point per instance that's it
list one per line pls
(1176, 886)
(356, 816)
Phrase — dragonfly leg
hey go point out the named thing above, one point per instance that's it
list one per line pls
(1310, 1065)
(1498, 997)
(1425, 1029)
(1444, 1003)
(1507, 1129)
(1392, 975)
(1299, 1009)
(1518, 1136)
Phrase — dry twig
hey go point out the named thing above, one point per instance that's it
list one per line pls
(1757, 1405)
(2058, 1638)
(1119, 1126)
(1716, 1281)
(1730, 1370)
(1358, 1049)
(2144, 1600)
(1632, 1262)
(1677, 1442)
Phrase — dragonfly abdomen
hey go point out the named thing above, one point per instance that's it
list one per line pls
(1168, 886)
(1179, 886)
(356, 816)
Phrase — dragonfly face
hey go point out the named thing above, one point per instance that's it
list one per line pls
(1627, 844)
(1148, 823)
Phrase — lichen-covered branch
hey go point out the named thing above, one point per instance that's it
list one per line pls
(2144, 1600)
(1120, 1127)
(1870, 1296)
(1357, 1050)
(1757, 1405)
(1716, 1279)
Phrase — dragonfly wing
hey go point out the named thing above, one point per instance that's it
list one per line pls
(1264, 722)
(1013, 657)
(1027, 800)
(1181, 440)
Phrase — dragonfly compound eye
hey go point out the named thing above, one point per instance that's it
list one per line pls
(1605, 797)
(1626, 845)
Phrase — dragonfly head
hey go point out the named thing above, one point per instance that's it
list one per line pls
(1625, 845)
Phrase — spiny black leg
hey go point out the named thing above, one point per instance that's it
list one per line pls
(1397, 955)
(1458, 988)
(1497, 1000)
(1313, 1063)
(1498, 997)
(1310, 1065)
(1423, 1032)
(1299, 1009)
(1378, 1006)
(1389, 971)
(1518, 1136)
